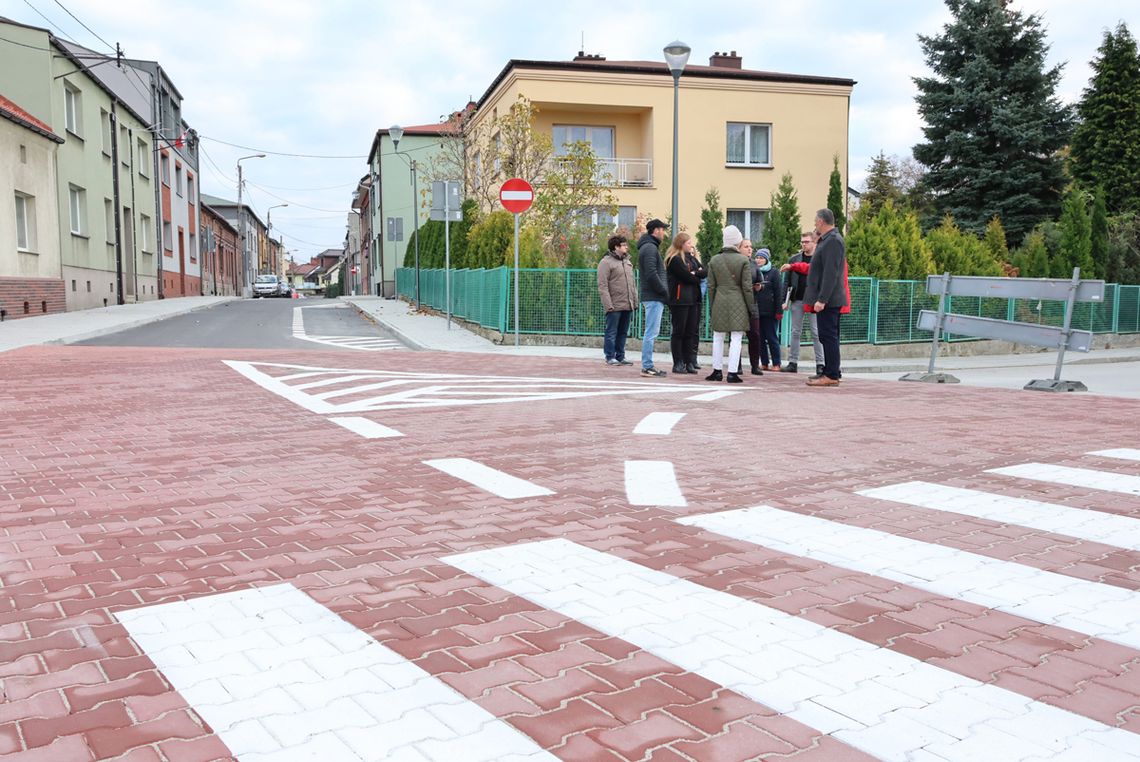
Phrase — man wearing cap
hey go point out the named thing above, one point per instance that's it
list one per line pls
(732, 306)
(654, 291)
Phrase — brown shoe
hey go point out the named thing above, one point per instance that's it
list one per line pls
(822, 381)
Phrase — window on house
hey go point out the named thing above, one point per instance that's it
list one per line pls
(190, 189)
(25, 222)
(72, 109)
(144, 158)
(193, 247)
(105, 125)
(77, 205)
(478, 178)
(146, 233)
(750, 222)
(178, 178)
(124, 145)
(749, 144)
(164, 168)
(498, 142)
(600, 139)
(109, 214)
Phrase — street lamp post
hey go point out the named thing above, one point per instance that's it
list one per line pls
(396, 132)
(269, 220)
(248, 291)
(676, 56)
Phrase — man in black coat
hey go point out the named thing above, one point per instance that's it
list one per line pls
(654, 291)
(826, 291)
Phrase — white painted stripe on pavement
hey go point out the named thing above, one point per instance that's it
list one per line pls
(1083, 523)
(886, 703)
(516, 195)
(486, 478)
(281, 389)
(366, 428)
(652, 482)
(280, 677)
(711, 396)
(1074, 477)
(658, 423)
(341, 379)
(1122, 453)
(1103, 611)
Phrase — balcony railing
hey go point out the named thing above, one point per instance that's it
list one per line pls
(622, 173)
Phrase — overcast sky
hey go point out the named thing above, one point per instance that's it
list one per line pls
(304, 77)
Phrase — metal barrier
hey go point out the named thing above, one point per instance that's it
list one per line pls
(566, 302)
(1040, 289)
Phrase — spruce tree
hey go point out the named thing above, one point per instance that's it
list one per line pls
(1076, 238)
(993, 124)
(882, 184)
(1099, 223)
(782, 226)
(1106, 142)
(712, 225)
(835, 196)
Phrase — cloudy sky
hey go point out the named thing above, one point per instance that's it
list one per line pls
(318, 78)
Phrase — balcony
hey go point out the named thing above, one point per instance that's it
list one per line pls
(621, 173)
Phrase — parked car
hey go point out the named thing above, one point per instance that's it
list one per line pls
(266, 285)
(284, 289)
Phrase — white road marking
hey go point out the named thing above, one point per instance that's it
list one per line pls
(1074, 477)
(658, 423)
(652, 482)
(486, 478)
(365, 427)
(886, 703)
(1123, 453)
(1086, 524)
(366, 343)
(711, 396)
(1103, 611)
(412, 390)
(280, 677)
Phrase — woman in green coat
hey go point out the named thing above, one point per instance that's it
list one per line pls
(731, 304)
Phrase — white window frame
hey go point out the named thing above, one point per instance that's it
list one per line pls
(25, 222)
(146, 234)
(178, 178)
(164, 168)
(109, 217)
(747, 229)
(72, 109)
(748, 126)
(558, 147)
(167, 236)
(144, 157)
(124, 141)
(190, 189)
(105, 125)
(77, 208)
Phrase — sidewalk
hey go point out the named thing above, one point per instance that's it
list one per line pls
(1116, 371)
(80, 325)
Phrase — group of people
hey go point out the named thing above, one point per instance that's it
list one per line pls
(747, 296)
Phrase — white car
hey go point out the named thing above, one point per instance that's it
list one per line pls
(266, 285)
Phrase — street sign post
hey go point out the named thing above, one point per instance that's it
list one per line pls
(445, 205)
(516, 195)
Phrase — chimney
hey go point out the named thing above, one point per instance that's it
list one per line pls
(725, 60)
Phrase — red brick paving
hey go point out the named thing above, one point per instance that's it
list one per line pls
(143, 476)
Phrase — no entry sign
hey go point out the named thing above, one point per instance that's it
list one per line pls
(516, 195)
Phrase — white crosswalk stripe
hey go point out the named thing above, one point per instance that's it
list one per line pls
(1085, 524)
(1103, 611)
(658, 424)
(1122, 453)
(486, 478)
(880, 701)
(1073, 477)
(652, 482)
(280, 677)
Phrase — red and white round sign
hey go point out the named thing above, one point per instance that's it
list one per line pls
(516, 195)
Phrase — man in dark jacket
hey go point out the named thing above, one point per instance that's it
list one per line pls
(795, 285)
(654, 291)
(826, 291)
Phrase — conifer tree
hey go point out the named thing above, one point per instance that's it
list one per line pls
(882, 184)
(835, 196)
(1076, 238)
(993, 124)
(1099, 225)
(782, 226)
(1106, 142)
(712, 225)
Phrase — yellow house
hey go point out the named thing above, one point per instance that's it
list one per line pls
(739, 130)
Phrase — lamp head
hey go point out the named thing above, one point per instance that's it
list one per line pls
(396, 132)
(676, 56)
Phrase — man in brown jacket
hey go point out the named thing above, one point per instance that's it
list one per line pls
(618, 290)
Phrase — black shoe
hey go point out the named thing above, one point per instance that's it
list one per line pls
(715, 376)
(789, 368)
(818, 372)
(756, 371)
(679, 368)
(696, 365)
(734, 378)
(691, 368)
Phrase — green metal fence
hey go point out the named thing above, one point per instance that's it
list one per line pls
(566, 302)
